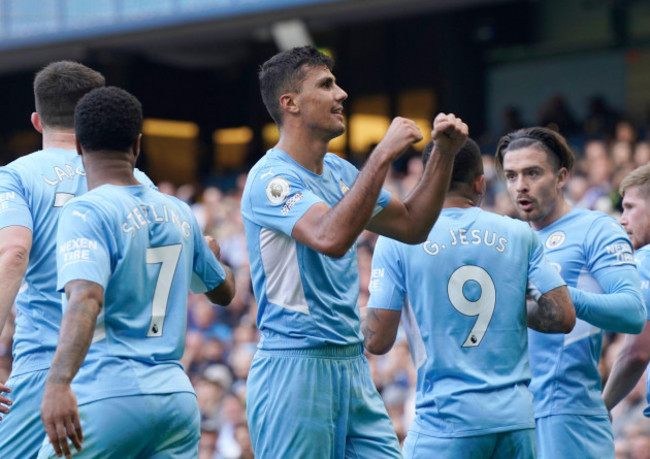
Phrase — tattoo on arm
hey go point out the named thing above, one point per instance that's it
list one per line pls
(550, 313)
(368, 326)
(77, 328)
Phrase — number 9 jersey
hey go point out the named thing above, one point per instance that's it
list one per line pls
(146, 250)
(463, 299)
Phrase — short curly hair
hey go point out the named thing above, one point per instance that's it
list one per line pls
(108, 118)
(468, 163)
(285, 72)
(559, 153)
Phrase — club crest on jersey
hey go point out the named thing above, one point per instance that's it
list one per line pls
(277, 190)
(555, 240)
(344, 187)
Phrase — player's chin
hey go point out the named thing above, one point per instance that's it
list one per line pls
(338, 131)
(526, 215)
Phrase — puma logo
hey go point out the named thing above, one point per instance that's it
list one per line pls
(79, 214)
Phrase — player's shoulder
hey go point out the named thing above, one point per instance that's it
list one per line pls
(335, 162)
(598, 223)
(582, 216)
(100, 197)
(170, 201)
(143, 178)
(274, 163)
(275, 175)
(42, 161)
(645, 251)
(642, 256)
(387, 244)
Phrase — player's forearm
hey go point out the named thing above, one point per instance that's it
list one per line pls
(425, 201)
(13, 264)
(628, 367)
(552, 312)
(379, 328)
(224, 292)
(621, 312)
(75, 337)
(349, 217)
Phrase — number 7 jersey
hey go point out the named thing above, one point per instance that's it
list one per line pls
(146, 250)
(463, 299)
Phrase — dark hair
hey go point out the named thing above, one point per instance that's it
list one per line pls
(57, 89)
(284, 72)
(468, 163)
(556, 147)
(108, 119)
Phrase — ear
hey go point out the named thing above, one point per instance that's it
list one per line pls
(78, 147)
(136, 147)
(36, 122)
(479, 185)
(288, 103)
(562, 177)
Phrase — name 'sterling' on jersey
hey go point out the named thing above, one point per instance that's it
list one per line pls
(139, 217)
(78, 250)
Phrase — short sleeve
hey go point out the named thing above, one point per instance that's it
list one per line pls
(642, 258)
(607, 247)
(207, 271)
(542, 276)
(350, 172)
(143, 179)
(82, 246)
(14, 204)
(387, 282)
(278, 201)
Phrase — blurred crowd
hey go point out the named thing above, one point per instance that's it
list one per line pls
(221, 342)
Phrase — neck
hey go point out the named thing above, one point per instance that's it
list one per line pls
(304, 148)
(59, 138)
(460, 201)
(560, 209)
(112, 169)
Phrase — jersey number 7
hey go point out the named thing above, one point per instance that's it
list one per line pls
(168, 257)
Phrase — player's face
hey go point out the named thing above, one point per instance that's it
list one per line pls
(636, 217)
(320, 101)
(534, 185)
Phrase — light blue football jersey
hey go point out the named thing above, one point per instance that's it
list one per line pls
(33, 189)
(463, 299)
(582, 245)
(306, 299)
(146, 250)
(642, 259)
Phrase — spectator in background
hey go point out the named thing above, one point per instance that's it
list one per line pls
(641, 154)
(555, 113)
(637, 438)
(598, 166)
(626, 132)
(511, 119)
(601, 119)
(243, 439)
(209, 438)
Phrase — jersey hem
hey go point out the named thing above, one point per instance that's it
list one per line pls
(474, 432)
